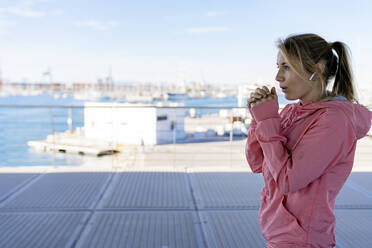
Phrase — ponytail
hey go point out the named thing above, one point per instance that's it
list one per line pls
(343, 84)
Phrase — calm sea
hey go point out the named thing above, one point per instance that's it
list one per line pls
(20, 125)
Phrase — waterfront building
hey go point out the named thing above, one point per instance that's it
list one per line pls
(124, 123)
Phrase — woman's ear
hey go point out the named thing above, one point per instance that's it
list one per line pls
(321, 66)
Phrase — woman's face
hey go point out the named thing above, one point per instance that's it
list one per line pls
(293, 86)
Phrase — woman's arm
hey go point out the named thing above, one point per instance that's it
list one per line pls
(321, 147)
(253, 151)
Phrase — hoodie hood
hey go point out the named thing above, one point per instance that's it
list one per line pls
(359, 116)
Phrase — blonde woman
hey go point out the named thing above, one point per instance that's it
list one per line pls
(306, 152)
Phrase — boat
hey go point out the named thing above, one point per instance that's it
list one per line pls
(177, 96)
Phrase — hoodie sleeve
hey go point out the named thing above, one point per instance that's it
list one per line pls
(322, 145)
(253, 151)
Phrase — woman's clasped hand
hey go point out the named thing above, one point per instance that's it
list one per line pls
(261, 95)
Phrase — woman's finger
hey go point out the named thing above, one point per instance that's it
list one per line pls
(250, 101)
(261, 92)
(256, 95)
(252, 94)
(266, 89)
(258, 102)
(273, 91)
(269, 98)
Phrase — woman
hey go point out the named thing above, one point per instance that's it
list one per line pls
(306, 152)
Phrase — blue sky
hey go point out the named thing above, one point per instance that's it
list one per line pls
(170, 41)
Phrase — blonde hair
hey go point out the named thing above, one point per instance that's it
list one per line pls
(304, 51)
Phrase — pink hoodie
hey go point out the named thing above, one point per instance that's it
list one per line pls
(305, 155)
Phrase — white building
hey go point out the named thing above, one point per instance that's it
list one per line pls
(133, 124)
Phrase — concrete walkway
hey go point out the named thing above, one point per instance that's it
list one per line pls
(157, 206)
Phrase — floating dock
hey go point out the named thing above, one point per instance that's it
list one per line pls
(70, 142)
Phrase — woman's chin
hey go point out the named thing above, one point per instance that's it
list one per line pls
(286, 96)
(289, 97)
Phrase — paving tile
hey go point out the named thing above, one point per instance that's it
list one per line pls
(351, 196)
(59, 191)
(362, 179)
(353, 228)
(20, 230)
(10, 182)
(142, 229)
(154, 207)
(239, 189)
(149, 188)
(232, 229)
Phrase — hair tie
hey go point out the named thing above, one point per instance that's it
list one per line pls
(337, 59)
(331, 46)
(335, 53)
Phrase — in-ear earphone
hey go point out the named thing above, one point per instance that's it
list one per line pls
(312, 76)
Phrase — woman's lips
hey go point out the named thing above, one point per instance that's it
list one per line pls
(284, 89)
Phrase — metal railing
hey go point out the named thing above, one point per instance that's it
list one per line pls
(171, 136)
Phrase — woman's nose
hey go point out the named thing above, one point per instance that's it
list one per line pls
(279, 76)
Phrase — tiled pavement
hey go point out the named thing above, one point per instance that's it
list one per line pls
(154, 207)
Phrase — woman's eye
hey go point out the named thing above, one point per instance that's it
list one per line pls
(284, 67)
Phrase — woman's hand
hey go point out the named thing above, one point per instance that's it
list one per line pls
(261, 95)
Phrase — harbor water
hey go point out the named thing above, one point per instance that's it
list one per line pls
(20, 125)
